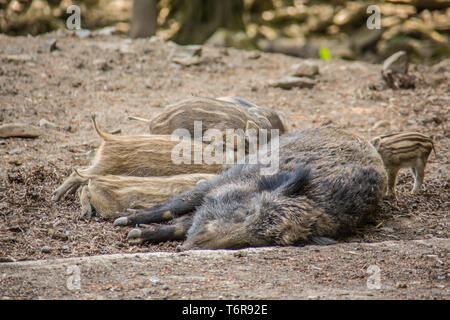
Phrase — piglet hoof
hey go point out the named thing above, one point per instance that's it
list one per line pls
(56, 197)
(122, 221)
(134, 236)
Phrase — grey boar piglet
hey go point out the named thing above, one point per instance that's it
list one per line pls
(221, 114)
(404, 150)
(139, 156)
(110, 195)
(328, 182)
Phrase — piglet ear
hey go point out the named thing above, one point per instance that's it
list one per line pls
(297, 183)
(375, 141)
(251, 125)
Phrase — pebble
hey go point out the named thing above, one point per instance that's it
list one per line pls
(165, 287)
(106, 31)
(187, 61)
(50, 45)
(46, 249)
(254, 55)
(82, 33)
(20, 130)
(402, 285)
(65, 248)
(305, 69)
(185, 51)
(45, 123)
(19, 58)
(154, 280)
(289, 82)
(397, 63)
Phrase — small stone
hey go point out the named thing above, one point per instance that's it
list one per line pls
(397, 63)
(289, 82)
(50, 45)
(165, 287)
(19, 58)
(253, 55)
(188, 61)
(106, 31)
(65, 248)
(47, 124)
(305, 69)
(20, 130)
(82, 33)
(46, 249)
(185, 51)
(154, 281)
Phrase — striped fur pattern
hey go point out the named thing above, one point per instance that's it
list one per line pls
(404, 150)
(109, 195)
(223, 113)
(138, 156)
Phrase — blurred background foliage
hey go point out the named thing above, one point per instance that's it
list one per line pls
(296, 27)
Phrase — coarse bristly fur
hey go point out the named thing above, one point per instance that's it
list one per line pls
(139, 156)
(328, 182)
(221, 114)
(404, 150)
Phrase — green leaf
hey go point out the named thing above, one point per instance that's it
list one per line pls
(324, 53)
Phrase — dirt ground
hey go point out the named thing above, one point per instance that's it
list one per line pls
(342, 271)
(115, 77)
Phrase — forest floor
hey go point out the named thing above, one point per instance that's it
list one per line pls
(115, 77)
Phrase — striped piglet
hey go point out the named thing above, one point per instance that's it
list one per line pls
(404, 150)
